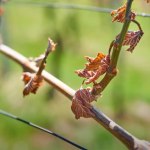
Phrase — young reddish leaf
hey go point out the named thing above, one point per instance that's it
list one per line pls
(81, 106)
(32, 83)
(119, 14)
(132, 38)
(94, 68)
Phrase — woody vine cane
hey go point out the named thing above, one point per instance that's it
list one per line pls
(101, 65)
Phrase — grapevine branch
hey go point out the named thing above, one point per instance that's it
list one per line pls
(130, 141)
(121, 134)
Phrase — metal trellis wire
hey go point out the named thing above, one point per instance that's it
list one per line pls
(70, 6)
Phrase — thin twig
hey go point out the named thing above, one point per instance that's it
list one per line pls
(121, 134)
(50, 48)
(69, 6)
(4, 113)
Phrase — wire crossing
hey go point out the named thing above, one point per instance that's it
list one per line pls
(4, 113)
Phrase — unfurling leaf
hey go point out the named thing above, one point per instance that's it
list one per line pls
(119, 14)
(94, 68)
(81, 106)
(32, 82)
(132, 38)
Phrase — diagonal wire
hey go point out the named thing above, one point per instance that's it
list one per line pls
(71, 6)
(4, 113)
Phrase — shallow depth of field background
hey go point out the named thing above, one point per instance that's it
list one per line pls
(78, 33)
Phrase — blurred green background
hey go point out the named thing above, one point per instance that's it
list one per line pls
(126, 100)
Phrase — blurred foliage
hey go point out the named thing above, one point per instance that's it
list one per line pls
(78, 33)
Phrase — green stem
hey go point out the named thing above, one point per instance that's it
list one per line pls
(117, 49)
(115, 53)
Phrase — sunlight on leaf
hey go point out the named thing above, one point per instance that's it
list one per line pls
(94, 68)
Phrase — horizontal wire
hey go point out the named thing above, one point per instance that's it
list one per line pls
(70, 6)
(4, 113)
